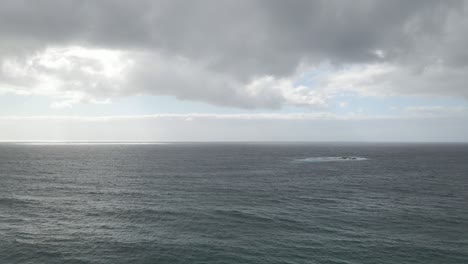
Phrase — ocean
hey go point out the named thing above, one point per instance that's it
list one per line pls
(234, 203)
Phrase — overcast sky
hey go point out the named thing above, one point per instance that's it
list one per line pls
(234, 70)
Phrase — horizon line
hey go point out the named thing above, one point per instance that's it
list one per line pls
(144, 142)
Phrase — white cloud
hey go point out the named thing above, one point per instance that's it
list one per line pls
(68, 74)
(418, 112)
(384, 79)
(343, 104)
(84, 75)
(360, 79)
(234, 127)
(437, 111)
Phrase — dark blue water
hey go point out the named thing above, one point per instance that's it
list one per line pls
(234, 203)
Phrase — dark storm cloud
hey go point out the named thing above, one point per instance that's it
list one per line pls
(234, 42)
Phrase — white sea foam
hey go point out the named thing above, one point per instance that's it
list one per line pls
(328, 159)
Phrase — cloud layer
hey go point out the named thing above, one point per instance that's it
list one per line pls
(247, 54)
(425, 125)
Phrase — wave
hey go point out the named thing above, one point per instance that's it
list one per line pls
(328, 159)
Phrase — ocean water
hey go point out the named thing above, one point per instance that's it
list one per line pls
(234, 203)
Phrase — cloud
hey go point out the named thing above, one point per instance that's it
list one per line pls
(437, 111)
(416, 112)
(247, 54)
(82, 75)
(248, 127)
(385, 79)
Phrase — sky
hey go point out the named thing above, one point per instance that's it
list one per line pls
(244, 70)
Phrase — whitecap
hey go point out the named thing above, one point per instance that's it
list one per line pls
(328, 159)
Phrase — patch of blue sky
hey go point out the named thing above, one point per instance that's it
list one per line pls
(308, 77)
(354, 103)
(22, 105)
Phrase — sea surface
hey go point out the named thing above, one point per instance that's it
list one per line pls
(234, 203)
